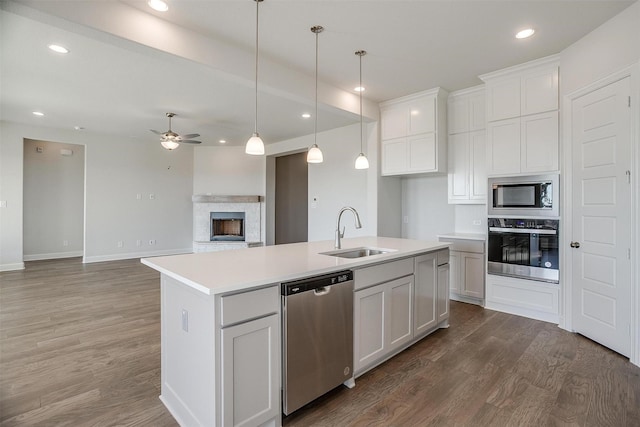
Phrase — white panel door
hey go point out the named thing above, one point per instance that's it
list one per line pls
(458, 173)
(602, 216)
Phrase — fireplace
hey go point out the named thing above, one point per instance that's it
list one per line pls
(227, 226)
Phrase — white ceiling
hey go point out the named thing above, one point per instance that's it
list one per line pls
(129, 65)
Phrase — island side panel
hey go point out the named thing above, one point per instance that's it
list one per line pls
(188, 353)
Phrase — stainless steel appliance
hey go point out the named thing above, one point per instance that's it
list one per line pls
(317, 337)
(524, 248)
(536, 195)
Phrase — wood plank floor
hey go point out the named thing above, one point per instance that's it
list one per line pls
(80, 346)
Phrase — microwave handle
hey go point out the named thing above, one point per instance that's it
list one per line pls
(523, 230)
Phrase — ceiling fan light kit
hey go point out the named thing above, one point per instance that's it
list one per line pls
(255, 145)
(171, 140)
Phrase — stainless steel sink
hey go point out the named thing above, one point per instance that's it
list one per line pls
(357, 252)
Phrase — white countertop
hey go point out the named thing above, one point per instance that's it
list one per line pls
(464, 236)
(235, 270)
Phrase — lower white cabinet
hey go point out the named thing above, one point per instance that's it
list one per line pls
(251, 372)
(391, 315)
(467, 272)
(382, 320)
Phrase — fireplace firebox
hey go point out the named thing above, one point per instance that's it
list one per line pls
(227, 226)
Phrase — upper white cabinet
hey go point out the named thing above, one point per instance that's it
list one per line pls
(522, 118)
(412, 133)
(467, 146)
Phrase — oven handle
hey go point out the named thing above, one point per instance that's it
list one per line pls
(523, 230)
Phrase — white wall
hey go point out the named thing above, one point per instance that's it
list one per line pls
(336, 183)
(227, 171)
(116, 171)
(53, 200)
(425, 209)
(465, 215)
(607, 49)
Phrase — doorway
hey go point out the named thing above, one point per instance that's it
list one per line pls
(53, 204)
(602, 229)
(291, 201)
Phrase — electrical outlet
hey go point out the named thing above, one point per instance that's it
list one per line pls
(405, 219)
(3, 203)
(152, 242)
(477, 222)
(65, 243)
(185, 320)
(138, 196)
(152, 196)
(138, 242)
(120, 243)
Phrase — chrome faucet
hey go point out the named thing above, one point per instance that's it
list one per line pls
(339, 234)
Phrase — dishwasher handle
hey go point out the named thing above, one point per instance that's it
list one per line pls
(323, 290)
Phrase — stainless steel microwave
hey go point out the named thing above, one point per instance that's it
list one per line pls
(535, 195)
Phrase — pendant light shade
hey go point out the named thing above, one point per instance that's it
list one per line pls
(314, 155)
(361, 161)
(255, 146)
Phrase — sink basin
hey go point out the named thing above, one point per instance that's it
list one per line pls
(357, 252)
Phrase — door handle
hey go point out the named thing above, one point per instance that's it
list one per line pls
(575, 244)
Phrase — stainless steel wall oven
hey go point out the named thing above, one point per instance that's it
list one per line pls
(524, 248)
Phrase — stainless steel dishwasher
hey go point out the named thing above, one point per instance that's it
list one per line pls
(317, 331)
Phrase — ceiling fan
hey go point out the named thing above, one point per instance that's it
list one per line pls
(171, 140)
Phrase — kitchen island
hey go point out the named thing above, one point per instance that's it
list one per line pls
(221, 319)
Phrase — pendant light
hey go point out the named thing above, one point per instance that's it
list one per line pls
(314, 155)
(255, 146)
(361, 160)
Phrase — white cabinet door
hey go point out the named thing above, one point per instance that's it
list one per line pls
(459, 167)
(369, 326)
(442, 293)
(477, 112)
(394, 122)
(478, 166)
(399, 320)
(472, 274)
(394, 156)
(503, 98)
(539, 89)
(503, 147)
(421, 152)
(458, 114)
(422, 115)
(539, 142)
(455, 280)
(251, 372)
(383, 320)
(426, 279)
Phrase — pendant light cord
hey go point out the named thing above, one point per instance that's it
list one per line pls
(315, 127)
(257, 23)
(361, 90)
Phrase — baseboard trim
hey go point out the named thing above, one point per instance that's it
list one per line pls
(12, 267)
(54, 255)
(130, 255)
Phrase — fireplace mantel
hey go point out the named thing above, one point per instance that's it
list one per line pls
(209, 198)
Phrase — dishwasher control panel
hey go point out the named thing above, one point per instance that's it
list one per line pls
(309, 284)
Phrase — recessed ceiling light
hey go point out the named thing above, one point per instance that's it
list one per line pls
(38, 113)
(223, 141)
(525, 33)
(58, 49)
(306, 115)
(158, 5)
(359, 89)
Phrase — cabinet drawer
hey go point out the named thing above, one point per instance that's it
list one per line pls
(382, 273)
(443, 256)
(461, 245)
(249, 305)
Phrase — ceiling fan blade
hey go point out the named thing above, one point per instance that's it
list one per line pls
(191, 141)
(156, 132)
(191, 135)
